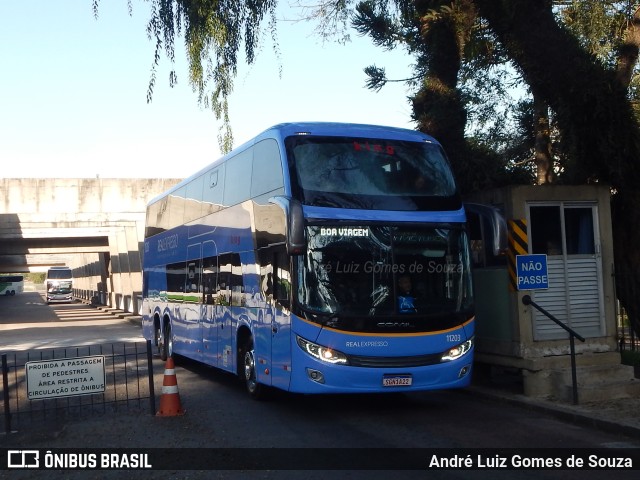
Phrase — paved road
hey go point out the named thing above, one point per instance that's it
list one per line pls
(219, 415)
(27, 322)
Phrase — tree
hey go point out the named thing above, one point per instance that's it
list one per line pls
(589, 91)
(450, 48)
(593, 112)
(585, 86)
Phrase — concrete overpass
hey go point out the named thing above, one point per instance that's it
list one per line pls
(95, 226)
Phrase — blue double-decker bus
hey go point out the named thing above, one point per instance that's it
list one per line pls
(316, 258)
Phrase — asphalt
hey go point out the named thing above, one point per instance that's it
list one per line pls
(620, 416)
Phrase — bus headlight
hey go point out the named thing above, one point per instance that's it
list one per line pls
(457, 351)
(324, 354)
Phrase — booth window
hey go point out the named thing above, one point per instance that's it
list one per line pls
(560, 229)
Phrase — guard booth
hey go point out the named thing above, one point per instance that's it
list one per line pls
(560, 253)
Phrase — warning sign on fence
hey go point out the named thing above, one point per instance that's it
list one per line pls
(65, 377)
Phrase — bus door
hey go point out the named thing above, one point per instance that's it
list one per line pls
(229, 291)
(192, 306)
(208, 327)
(276, 287)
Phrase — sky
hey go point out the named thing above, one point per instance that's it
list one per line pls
(73, 92)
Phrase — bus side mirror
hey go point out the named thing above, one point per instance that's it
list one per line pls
(295, 239)
(497, 223)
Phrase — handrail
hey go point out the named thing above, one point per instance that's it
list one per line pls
(526, 300)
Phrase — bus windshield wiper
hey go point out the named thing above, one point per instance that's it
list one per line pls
(323, 318)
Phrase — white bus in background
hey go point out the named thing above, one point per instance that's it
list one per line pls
(11, 284)
(59, 284)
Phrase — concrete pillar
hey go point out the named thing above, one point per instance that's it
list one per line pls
(102, 279)
(135, 266)
(115, 281)
(126, 287)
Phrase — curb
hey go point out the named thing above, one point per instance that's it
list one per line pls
(572, 413)
(130, 317)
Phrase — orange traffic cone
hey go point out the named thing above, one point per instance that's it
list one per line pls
(170, 399)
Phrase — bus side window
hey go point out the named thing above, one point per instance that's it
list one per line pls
(176, 276)
(209, 279)
(230, 283)
(193, 277)
(223, 288)
(238, 171)
(212, 190)
(175, 207)
(266, 175)
(237, 283)
(266, 277)
(275, 277)
(193, 199)
(282, 281)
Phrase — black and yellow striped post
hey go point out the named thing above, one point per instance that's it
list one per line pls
(518, 245)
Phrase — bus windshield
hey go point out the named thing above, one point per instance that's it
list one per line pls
(348, 172)
(59, 274)
(389, 278)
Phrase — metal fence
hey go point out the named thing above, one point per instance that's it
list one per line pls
(626, 287)
(127, 383)
(627, 337)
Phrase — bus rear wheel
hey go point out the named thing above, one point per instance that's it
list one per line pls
(157, 337)
(165, 343)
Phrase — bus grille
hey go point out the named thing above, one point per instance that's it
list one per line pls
(395, 362)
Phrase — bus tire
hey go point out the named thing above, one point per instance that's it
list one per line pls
(255, 389)
(157, 335)
(165, 345)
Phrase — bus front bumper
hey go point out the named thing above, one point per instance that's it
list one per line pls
(313, 376)
(55, 297)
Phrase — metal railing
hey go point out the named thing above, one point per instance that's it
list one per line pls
(526, 300)
(128, 375)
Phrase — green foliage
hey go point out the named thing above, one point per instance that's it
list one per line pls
(493, 91)
(462, 82)
(35, 277)
(598, 25)
(484, 168)
(377, 77)
(373, 19)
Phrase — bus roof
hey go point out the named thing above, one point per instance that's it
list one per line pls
(347, 130)
(330, 129)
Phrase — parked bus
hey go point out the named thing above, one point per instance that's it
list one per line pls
(11, 284)
(59, 284)
(316, 258)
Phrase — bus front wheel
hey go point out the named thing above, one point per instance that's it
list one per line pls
(255, 389)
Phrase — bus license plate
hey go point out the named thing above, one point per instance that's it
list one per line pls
(396, 380)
